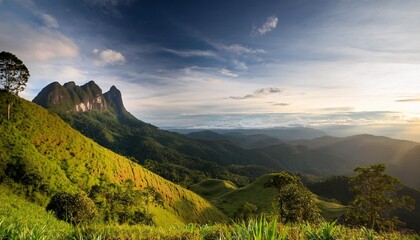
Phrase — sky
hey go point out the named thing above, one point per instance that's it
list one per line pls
(346, 67)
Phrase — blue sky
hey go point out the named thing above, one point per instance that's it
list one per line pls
(335, 64)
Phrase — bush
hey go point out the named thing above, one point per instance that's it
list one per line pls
(246, 211)
(73, 208)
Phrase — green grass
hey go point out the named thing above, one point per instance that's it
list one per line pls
(330, 210)
(213, 189)
(20, 219)
(254, 193)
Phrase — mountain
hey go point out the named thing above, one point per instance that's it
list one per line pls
(246, 141)
(280, 133)
(237, 155)
(402, 157)
(72, 98)
(174, 156)
(42, 155)
(171, 155)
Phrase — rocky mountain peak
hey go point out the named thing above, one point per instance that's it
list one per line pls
(73, 98)
(114, 98)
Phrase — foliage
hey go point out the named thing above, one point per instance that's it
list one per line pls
(327, 231)
(375, 198)
(13, 77)
(121, 203)
(341, 187)
(258, 229)
(73, 208)
(246, 211)
(295, 202)
(13, 73)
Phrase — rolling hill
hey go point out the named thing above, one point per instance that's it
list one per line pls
(229, 198)
(42, 155)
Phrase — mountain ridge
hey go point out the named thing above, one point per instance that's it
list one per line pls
(237, 155)
(70, 98)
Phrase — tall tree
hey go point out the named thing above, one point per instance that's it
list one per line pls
(13, 76)
(375, 198)
(295, 202)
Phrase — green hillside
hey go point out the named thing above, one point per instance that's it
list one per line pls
(213, 189)
(41, 155)
(229, 198)
(20, 219)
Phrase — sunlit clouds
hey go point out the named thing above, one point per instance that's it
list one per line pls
(330, 64)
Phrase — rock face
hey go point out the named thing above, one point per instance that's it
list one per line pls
(73, 98)
(114, 98)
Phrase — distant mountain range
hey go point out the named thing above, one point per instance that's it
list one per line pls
(231, 154)
(279, 133)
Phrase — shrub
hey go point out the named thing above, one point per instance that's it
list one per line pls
(73, 208)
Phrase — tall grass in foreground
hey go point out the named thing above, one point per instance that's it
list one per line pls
(258, 229)
(20, 219)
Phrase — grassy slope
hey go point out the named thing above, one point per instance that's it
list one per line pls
(20, 219)
(213, 189)
(68, 161)
(229, 198)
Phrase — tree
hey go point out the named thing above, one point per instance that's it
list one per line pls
(13, 76)
(73, 208)
(375, 198)
(295, 202)
(121, 203)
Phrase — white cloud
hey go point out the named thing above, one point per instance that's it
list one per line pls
(261, 92)
(228, 73)
(268, 26)
(240, 49)
(109, 57)
(38, 44)
(192, 53)
(49, 21)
